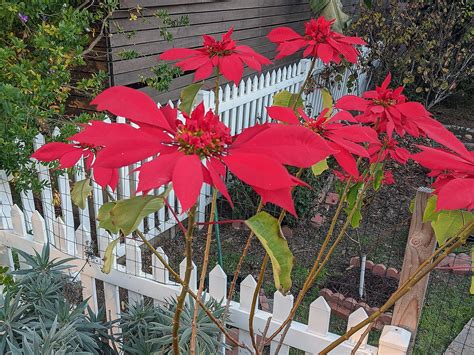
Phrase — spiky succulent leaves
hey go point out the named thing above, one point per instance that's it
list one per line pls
(135, 324)
(41, 263)
(13, 319)
(208, 339)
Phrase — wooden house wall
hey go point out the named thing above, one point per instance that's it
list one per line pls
(252, 21)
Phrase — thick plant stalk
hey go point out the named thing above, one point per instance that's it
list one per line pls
(205, 264)
(317, 266)
(419, 274)
(254, 302)
(190, 292)
(187, 277)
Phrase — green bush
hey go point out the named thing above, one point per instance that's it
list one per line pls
(427, 45)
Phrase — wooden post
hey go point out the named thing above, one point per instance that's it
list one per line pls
(420, 245)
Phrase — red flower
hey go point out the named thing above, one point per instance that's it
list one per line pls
(454, 174)
(388, 110)
(379, 151)
(388, 178)
(199, 149)
(319, 41)
(68, 156)
(342, 138)
(224, 55)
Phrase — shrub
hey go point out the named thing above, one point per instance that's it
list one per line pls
(426, 45)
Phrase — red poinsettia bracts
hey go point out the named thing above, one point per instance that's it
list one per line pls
(199, 150)
(454, 174)
(388, 111)
(342, 138)
(68, 155)
(379, 151)
(225, 55)
(319, 41)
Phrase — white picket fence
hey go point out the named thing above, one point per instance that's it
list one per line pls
(72, 232)
(310, 338)
(240, 107)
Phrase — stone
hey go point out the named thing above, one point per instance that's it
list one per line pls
(318, 220)
(393, 273)
(380, 270)
(237, 225)
(468, 136)
(355, 261)
(369, 264)
(332, 198)
(287, 231)
(326, 293)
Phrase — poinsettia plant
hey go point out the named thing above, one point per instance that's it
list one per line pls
(184, 149)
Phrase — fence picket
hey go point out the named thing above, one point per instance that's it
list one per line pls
(133, 265)
(319, 316)
(193, 280)
(218, 283)
(356, 317)
(281, 309)
(38, 227)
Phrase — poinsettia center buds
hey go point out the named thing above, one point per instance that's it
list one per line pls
(205, 136)
(385, 102)
(318, 30)
(315, 126)
(220, 49)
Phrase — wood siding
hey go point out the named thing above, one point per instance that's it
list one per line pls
(251, 19)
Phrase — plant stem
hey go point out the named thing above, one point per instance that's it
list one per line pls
(187, 277)
(191, 293)
(317, 266)
(362, 336)
(230, 294)
(253, 307)
(419, 274)
(216, 92)
(205, 264)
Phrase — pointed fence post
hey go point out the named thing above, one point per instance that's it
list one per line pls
(160, 272)
(193, 280)
(18, 221)
(281, 309)
(218, 284)
(133, 266)
(6, 201)
(420, 245)
(38, 227)
(355, 318)
(394, 341)
(247, 288)
(59, 232)
(319, 316)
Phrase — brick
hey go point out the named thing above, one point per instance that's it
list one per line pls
(318, 220)
(369, 264)
(379, 269)
(332, 198)
(393, 273)
(350, 303)
(355, 261)
(326, 293)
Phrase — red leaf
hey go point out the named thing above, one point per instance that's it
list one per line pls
(280, 197)
(283, 114)
(456, 194)
(127, 151)
(271, 174)
(157, 172)
(187, 180)
(53, 151)
(132, 104)
(282, 34)
(352, 103)
(70, 159)
(231, 67)
(218, 183)
(106, 177)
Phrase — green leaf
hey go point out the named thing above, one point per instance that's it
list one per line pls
(356, 217)
(320, 167)
(286, 99)
(80, 191)
(126, 215)
(105, 219)
(327, 101)
(352, 194)
(430, 214)
(187, 96)
(108, 256)
(449, 223)
(411, 207)
(378, 176)
(268, 231)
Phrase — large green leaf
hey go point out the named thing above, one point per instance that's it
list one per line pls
(331, 9)
(105, 219)
(449, 223)
(126, 215)
(318, 5)
(430, 213)
(328, 101)
(320, 167)
(108, 256)
(187, 96)
(285, 98)
(80, 191)
(268, 231)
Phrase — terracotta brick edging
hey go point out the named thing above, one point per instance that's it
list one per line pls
(344, 306)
